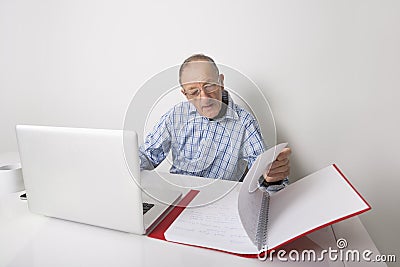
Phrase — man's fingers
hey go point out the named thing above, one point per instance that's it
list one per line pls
(284, 154)
(281, 169)
(277, 177)
(278, 163)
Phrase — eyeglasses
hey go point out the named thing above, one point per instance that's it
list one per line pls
(207, 88)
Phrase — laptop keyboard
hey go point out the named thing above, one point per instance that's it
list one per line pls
(147, 207)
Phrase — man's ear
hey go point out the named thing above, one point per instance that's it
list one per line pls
(183, 92)
(221, 80)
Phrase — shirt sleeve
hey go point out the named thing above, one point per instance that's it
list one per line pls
(253, 143)
(253, 146)
(274, 187)
(157, 144)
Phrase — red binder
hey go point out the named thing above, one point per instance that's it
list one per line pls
(158, 232)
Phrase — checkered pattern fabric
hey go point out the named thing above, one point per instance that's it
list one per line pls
(221, 148)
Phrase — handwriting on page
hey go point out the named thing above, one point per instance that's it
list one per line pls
(216, 225)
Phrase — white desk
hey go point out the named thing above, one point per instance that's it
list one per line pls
(28, 239)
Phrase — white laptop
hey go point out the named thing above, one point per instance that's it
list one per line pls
(81, 175)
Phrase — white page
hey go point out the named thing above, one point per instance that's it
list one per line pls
(309, 203)
(305, 205)
(216, 226)
(250, 197)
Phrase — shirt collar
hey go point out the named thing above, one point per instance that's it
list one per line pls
(230, 111)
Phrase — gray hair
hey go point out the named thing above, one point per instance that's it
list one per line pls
(196, 57)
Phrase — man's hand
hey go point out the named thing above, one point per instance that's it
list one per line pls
(280, 168)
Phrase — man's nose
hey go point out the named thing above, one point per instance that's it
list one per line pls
(203, 94)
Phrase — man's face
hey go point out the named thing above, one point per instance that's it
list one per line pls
(203, 87)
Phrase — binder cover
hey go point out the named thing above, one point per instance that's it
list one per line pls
(159, 231)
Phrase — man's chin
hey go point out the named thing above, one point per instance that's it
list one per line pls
(210, 111)
(210, 114)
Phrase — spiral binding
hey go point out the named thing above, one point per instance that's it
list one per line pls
(262, 227)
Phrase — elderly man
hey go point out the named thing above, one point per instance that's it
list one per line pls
(209, 135)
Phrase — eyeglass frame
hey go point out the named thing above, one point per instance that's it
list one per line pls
(201, 88)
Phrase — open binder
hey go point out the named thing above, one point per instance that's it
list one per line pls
(250, 220)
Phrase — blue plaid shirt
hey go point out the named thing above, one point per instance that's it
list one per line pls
(220, 148)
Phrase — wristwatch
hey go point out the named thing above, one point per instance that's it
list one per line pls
(266, 184)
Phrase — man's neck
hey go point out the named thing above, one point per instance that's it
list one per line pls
(224, 106)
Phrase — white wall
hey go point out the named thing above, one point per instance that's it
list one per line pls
(330, 70)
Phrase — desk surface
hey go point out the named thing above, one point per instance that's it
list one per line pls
(27, 239)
